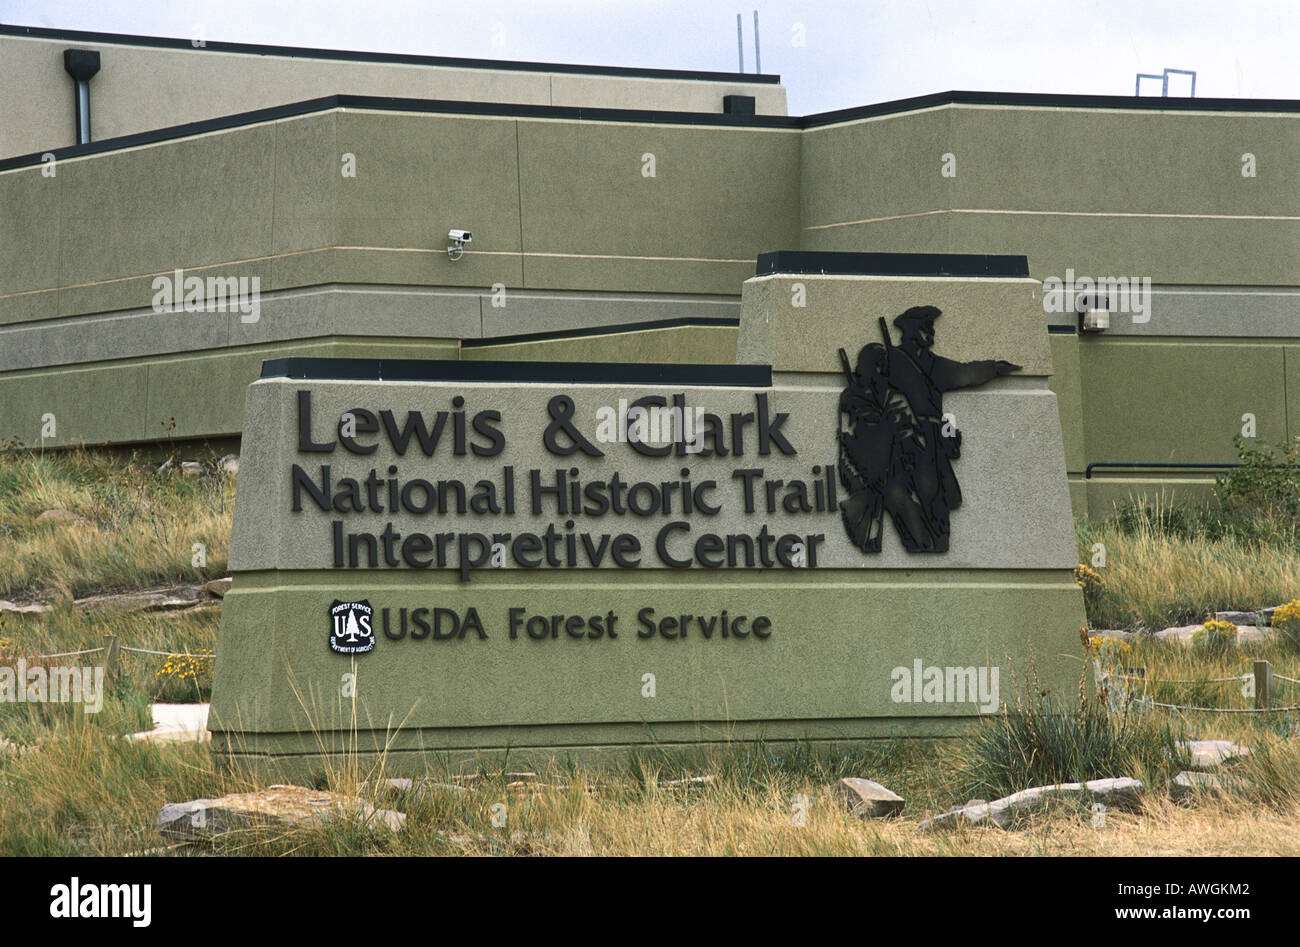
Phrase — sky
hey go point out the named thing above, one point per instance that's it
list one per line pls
(829, 53)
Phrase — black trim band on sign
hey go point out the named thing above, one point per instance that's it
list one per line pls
(803, 262)
(1062, 330)
(622, 327)
(307, 52)
(554, 373)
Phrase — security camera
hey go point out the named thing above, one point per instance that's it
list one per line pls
(458, 239)
(1094, 313)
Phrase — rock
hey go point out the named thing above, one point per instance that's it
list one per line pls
(1262, 616)
(159, 850)
(229, 465)
(151, 600)
(690, 782)
(171, 736)
(64, 516)
(531, 785)
(189, 468)
(868, 800)
(1121, 793)
(1246, 634)
(1208, 754)
(1111, 633)
(420, 788)
(34, 608)
(1182, 633)
(217, 588)
(1188, 786)
(277, 807)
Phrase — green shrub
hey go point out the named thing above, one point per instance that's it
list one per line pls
(1162, 518)
(185, 678)
(1093, 585)
(1286, 621)
(1215, 637)
(1266, 486)
(1043, 742)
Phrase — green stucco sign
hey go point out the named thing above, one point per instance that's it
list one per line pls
(555, 557)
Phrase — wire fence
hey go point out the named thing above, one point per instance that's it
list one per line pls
(1224, 710)
(1207, 680)
(170, 654)
(1257, 683)
(112, 647)
(68, 654)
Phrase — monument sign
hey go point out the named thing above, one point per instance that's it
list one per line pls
(464, 557)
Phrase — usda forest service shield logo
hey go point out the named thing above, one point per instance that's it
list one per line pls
(352, 630)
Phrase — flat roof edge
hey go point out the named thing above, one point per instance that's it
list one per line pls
(383, 103)
(410, 59)
(1047, 100)
(649, 116)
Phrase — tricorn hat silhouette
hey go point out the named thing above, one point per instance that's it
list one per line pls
(918, 316)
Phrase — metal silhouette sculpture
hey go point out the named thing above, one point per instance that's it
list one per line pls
(896, 449)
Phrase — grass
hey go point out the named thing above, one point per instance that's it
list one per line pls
(126, 708)
(76, 787)
(134, 527)
(1157, 575)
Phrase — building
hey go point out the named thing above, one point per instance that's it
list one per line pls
(615, 215)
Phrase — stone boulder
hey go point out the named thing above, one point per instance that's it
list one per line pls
(1187, 786)
(1122, 793)
(217, 588)
(688, 782)
(1246, 634)
(1209, 754)
(277, 807)
(149, 600)
(400, 786)
(189, 468)
(1263, 616)
(13, 608)
(868, 800)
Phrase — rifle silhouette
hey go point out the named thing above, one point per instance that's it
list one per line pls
(848, 371)
(889, 343)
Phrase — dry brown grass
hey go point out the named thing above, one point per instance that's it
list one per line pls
(77, 788)
(134, 528)
(1155, 580)
(593, 816)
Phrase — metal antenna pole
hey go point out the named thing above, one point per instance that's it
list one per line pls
(740, 43)
(758, 63)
